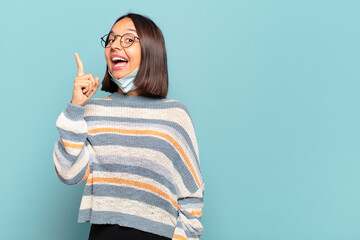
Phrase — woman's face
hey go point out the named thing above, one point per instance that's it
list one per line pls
(131, 54)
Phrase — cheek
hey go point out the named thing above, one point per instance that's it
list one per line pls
(107, 57)
(135, 55)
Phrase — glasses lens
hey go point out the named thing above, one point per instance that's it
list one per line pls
(127, 40)
(106, 40)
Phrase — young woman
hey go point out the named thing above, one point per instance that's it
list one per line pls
(136, 149)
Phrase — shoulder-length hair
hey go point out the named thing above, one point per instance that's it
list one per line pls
(152, 77)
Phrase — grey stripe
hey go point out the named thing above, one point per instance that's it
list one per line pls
(191, 200)
(146, 104)
(135, 170)
(75, 113)
(135, 161)
(84, 215)
(74, 180)
(192, 205)
(174, 129)
(102, 217)
(72, 136)
(60, 153)
(170, 124)
(66, 159)
(188, 234)
(106, 190)
(189, 216)
(150, 142)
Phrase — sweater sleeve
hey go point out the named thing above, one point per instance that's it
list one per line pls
(190, 199)
(72, 151)
(188, 225)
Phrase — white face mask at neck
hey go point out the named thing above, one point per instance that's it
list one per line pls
(125, 83)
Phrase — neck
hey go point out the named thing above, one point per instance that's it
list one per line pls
(132, 98)
(133, 92)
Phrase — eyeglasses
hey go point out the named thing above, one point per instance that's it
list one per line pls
(126, 40)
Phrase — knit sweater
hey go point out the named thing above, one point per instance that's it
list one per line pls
(140, 159)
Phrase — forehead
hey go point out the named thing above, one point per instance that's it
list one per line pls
(123, 26)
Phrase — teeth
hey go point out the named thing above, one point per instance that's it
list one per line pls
(117, 58)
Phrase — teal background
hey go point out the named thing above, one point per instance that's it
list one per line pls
(272, 87)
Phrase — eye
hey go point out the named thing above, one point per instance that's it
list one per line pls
(111, 38)
(129, 40)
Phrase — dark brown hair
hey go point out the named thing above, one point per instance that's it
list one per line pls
(152, 77)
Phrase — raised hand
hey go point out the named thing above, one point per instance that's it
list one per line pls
(85, 85)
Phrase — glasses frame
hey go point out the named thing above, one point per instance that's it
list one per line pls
(121, 36)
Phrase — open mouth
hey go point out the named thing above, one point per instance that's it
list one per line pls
(118, 63)
(116, 60)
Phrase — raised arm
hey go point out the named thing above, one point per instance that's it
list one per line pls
(72, 152)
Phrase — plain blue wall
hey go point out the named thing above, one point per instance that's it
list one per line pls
(272, 87)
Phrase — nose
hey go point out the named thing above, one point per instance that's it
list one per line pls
(116, 43)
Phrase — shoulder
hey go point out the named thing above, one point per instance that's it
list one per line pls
(93, 106)
(177, 104)
(96, 101)
(180, 107)
(179, 111)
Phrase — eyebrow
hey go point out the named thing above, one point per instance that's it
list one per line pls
(129, 29)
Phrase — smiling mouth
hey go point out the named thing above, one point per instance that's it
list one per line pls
(118, 64)
(118, 60)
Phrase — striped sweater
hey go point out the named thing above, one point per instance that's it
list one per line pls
(140, 159)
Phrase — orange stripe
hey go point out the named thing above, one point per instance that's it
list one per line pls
(140, 185)
(87, 173)
(196, 213)
(106, 98)
(89, 181)
(170, 100)
(177, 236)
(72, 145)
(137, 184)
(151, 132)
(193, 213)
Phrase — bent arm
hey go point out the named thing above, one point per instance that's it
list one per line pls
(72, 152)
(191, 198)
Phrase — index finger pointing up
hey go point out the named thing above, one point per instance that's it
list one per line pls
(79, 65)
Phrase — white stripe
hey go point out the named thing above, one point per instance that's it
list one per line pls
(70, 125)
(66, 163)
(177, 115)
(180, 231)
(138, 178)
(194, 223)
(86, 201)
(132, 207)
(71, 150)
(78, 165)
(152, 155)
(172, 132)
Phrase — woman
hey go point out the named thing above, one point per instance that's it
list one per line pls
(136, 148)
